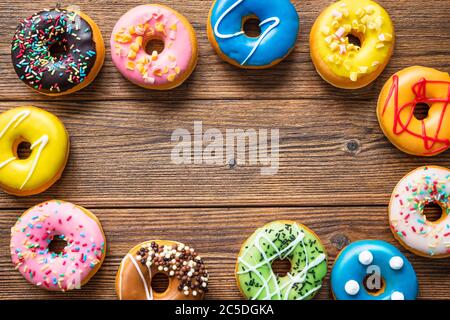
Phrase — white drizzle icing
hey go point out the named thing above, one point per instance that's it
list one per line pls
(6, 162)
(42, 143)
(18, 118)
(275, 20)
(298, 278)
(148, 292)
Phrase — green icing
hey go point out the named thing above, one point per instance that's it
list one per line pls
(281, 240)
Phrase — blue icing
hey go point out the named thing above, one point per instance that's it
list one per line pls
(279, 29)
(347, 267)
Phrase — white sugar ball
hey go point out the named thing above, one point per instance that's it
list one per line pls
(396, 263)
(365, 257)
(352, 287)
(397, 295)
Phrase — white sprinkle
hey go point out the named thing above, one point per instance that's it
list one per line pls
(397, 295)
(396, 263)
(336, 14)
(365, 257)
(340, 32)
(351, 287)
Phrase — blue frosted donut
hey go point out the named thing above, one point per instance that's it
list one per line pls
(369, 260)
(279, 26)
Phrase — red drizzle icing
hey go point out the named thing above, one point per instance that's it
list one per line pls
(419, 89)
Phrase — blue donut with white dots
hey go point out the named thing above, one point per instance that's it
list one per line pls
(279, 24)
(387, 274)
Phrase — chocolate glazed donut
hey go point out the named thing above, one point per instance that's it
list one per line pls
(57, 51)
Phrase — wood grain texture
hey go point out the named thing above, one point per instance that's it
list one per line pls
(200, 229)
(336, 173)
(121, 155)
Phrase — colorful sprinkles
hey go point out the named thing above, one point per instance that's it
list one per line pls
(53, 30)
(31, 238)
(422, 187)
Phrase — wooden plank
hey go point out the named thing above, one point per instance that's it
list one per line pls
(121, 156)
(200, 227)
(422, 41)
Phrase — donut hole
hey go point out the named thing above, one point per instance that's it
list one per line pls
(57, 50)
(421, 111)
(23, 150)
(281, 267)
(251, 27)
(354, 39)
(160, 282)
(374, 284)
(154, 45)
(432, 212)
(57, 245)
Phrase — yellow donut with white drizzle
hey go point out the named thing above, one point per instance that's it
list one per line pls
(345, 64)
(49, 142)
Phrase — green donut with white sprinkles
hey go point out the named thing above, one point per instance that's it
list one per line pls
(281, 240)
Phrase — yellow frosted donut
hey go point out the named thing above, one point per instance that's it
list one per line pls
(49, 142)
(342, 63)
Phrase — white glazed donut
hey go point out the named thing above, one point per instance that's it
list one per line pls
(410, 226)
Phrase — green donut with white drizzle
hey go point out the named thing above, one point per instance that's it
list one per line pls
(280, 240)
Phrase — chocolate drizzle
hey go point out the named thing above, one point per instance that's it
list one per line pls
(32, 46)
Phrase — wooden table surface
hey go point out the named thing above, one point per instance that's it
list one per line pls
(337, 170)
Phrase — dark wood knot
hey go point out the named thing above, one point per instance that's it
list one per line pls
(340, 241)
(353, 146)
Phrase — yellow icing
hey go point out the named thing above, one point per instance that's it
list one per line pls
(364, 19)
(49, 150)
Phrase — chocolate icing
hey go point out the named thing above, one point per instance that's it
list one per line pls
(32, 58)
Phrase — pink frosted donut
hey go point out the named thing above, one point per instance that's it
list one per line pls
(136, 28)
(79, 260)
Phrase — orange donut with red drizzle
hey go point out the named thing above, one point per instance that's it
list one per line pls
(398, 100)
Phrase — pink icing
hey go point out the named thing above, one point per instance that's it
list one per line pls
(34, 231)
(176, 56)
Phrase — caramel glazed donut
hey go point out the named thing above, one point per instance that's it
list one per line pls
(342, 63)
(396, 105)
(57, 51)
(188, 277)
